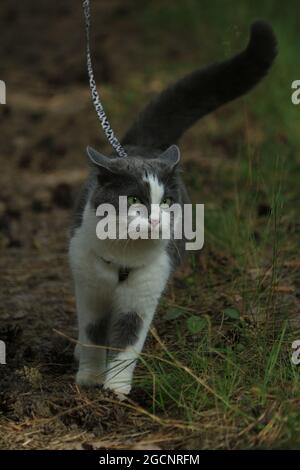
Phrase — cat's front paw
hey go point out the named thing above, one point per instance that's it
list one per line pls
(89, 378)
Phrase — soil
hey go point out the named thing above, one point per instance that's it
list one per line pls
(45, 125)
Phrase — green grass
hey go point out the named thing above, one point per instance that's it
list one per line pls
(236, 370)
(219, 366)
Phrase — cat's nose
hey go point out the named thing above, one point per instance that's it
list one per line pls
(154, 221)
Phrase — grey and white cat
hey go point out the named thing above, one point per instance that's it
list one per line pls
(118, 283)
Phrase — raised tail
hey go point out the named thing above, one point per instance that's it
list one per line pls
(179, 106)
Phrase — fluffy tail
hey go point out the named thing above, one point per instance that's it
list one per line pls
(174, 110)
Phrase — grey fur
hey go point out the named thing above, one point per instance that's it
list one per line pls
(124, 330)
(97, 332)
(165, 119)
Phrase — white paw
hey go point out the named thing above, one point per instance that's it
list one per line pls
(89, 377)
(119, 388)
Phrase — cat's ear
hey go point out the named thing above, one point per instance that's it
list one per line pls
(99, 160)
(171, 156)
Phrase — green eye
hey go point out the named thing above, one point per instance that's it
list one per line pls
(133, 200)
(165, 203)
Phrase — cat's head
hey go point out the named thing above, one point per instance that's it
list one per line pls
(150, 183)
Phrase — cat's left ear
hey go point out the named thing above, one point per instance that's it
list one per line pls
(171, 156)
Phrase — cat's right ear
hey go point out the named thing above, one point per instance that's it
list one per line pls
(99, 160)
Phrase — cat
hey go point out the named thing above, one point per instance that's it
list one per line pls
(118, 283)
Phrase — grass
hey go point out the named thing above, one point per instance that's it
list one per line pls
(222, 363)
(216, 371)
(232, 381)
